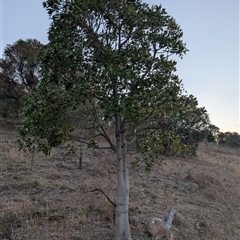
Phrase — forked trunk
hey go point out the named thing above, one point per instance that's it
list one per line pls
(122, 203)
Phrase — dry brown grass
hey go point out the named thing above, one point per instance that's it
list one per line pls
(52, 201)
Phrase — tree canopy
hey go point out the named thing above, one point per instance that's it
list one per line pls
(19, 71)
(113, 52)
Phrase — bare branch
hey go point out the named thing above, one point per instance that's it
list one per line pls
(97, 189)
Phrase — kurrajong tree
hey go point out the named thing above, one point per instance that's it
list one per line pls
(114, 60)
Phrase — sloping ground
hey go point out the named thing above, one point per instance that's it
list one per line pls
(52, 201)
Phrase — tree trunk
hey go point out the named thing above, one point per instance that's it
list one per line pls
(122, 203)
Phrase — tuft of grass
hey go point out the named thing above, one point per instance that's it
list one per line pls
(8, 221)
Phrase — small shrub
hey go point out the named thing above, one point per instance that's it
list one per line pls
(7, 222)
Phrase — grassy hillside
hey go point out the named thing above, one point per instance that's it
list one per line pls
(52, 201)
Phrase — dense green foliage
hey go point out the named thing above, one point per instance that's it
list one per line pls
(120, 55)
(194, 129)
(19, 73)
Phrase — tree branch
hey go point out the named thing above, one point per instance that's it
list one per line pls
(97, 189)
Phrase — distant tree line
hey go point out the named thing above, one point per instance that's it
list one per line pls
(230, 139)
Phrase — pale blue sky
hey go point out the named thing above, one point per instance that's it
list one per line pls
(210, 70)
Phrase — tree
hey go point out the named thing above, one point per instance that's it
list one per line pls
(115, 58)
(221, 138)
(212, 134)
(211, 138)
(194, 128)
(19, 71)
(230, 139)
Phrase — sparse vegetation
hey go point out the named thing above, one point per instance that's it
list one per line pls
(52, 201)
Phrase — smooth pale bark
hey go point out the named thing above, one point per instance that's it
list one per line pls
(122, 203)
